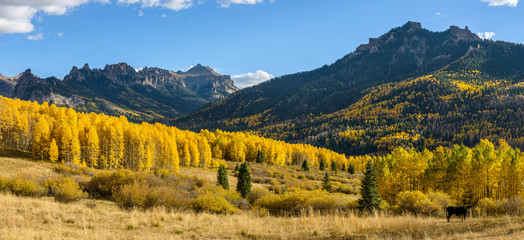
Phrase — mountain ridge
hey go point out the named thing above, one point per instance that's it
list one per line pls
(139, 94)
(329, 105)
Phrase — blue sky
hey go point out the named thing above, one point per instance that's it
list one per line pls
(249, 39)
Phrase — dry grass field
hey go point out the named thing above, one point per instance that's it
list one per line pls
(27, 218)
(12, 166)
(44, 218)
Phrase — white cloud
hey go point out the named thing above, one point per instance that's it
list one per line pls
(16, 15)
(170, 4)
(36, 37)
(486, 35)
(140, 13)
(60, 34)
(250, 79)
(227, 3)
(511, 3)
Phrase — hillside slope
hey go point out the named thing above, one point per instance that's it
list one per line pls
(410, 87)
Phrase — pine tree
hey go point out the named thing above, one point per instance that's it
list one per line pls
(326, 183)
(322, 165)
(237, 168)
(222, 179)
(244, 180)
(305, 166)
(260, 156)
(370, 199)
(351, 169)
(334, 166)
(53, 151)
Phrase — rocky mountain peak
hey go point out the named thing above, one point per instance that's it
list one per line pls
(201, 70)
(27, 72)
(120, 69)
(411, 26)
(86, 67)
(413, 39)
(463, 34)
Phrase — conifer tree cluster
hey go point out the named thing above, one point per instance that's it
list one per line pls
(260, 156)
(244, 180)
(351, 169)
(322, 165)
(370, 198)
(326, 183)
(305, 166)
(222, 179)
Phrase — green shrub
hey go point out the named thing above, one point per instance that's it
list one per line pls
(161, 172)
(27, 187)
(514, 206)
(135, 195)
(65, 189)
(105, 184)
(209, 202)
(256, 194)
(417, 203)
(4, 184)
(292, 203)
(68, 170)
(169, 197)
(489, 207)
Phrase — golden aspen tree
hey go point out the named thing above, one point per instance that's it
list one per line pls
(195, 155)
(205, 152)
(140, 164)
(235, 151)
(66, 144)
(21, 130)
(187, 155)
(53, 151)
(148, 158)
(41, 134)
(92, 147)
(174, 159)
(217, 152)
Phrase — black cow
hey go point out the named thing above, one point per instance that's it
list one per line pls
(461, 210)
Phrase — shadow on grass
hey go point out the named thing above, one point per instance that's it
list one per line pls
(17, 154)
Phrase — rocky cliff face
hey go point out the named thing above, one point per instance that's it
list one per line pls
(202, 80)
(420, 43)
(7, 85)
(206, 82)
(119, 89)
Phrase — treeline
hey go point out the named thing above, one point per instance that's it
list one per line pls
(467, 175)
(441, 109)
(104, 142)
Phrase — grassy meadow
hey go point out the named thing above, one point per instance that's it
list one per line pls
(44, 218)
(29, 218)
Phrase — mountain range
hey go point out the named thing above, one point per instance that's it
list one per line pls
(140, 95)
(410, 87)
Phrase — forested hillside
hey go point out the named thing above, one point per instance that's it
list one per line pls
(485, 172)
(106, 142)
(410, 88)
